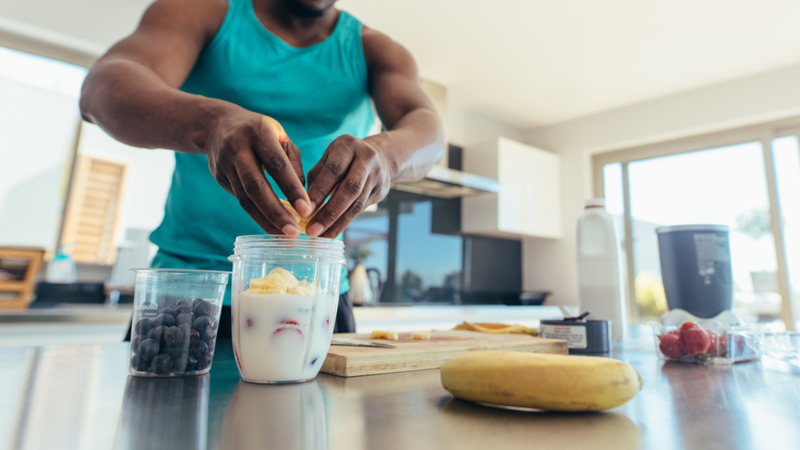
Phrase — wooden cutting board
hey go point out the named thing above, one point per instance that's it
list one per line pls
(420, 355)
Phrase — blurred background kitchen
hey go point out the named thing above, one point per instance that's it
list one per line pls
(676, 113)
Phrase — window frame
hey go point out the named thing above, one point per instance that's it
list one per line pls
(764, 133)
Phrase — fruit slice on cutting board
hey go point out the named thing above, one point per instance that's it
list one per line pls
(542, 381)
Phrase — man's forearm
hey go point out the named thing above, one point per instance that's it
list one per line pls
(136, 107)
(413, 145)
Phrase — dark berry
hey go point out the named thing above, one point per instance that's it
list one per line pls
(207, 334)
(183, 302)
(149, 349)
(194, 302)
(157, 334)
(166, 320)
(204, 308)
(191, 363)
(170, 311)
(194, 336)
(201, 322)
(211, 344)
(183, 309)
(203, 362)
(143, 326)
(184, 318)
(136, 342)
(198, 350)
(161, 363)
(139, 364)
(173, 336)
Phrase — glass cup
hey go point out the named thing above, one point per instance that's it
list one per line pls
(175, 321)
(284, 298)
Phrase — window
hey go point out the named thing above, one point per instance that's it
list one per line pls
(39, 122)
(693, 181)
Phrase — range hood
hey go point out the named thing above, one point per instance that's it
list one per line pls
(446, 180)
(442, 182)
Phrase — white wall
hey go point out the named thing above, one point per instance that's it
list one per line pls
(91, 24)
(769, 96)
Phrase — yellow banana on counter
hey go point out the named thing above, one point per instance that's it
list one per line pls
(543, 381)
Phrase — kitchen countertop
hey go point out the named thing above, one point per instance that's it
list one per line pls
(82, 397)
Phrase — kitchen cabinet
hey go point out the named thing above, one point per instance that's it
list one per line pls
(529, 201)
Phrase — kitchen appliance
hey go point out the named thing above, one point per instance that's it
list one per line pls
(696, 268)
(584, 337)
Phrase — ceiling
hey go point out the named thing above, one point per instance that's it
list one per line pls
(532, 63)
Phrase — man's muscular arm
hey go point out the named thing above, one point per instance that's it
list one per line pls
(364, 169)
(132, 93)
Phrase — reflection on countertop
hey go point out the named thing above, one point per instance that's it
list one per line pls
(82, 397)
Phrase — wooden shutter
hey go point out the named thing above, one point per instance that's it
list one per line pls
(93, 209)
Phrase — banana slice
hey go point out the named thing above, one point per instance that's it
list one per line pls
(271, 281)
(302, 221)
(290, 279)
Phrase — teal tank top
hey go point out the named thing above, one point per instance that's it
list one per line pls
(317, 93)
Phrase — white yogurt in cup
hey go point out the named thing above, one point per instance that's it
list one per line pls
(285, 294)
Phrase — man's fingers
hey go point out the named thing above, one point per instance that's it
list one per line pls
(277, 163)
(257, 191)
(348, 195)
(349, 215)
(247, 205)
(328, 172)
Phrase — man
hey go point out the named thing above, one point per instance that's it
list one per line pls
(241, 87)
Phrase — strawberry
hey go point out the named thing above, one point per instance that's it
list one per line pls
(670, 345)
(694, 340)
(718, 346)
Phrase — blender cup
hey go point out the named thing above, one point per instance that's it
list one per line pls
(284, 298)
(175, 321)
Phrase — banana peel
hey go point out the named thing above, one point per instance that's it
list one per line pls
(496, 328)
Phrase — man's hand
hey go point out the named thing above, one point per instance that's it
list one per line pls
(243, 144)
(357, 173)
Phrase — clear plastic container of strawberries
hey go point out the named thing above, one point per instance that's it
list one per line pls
(708, 342)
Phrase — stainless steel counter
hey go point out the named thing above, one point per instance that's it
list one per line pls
(81, 397)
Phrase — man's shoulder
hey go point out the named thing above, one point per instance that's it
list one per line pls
(205, 15)
(380, 50)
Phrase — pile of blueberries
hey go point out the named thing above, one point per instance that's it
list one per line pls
(180, 339)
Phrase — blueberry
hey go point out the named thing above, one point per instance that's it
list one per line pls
(149, 349)
(211, 346)
(194, 302)
(184, 318)
(139, 364)
(203, 362)
(157, 334)
(173, 336)
(186, 328)
(204, 308)
(143, 326)
(194, 336)
(207, 334)
(201, 322)
(161, 363)
(183, 302)
(198, 350)
(170, 311)
(136, 342)
(183, 309)
(191, 363)
(166, 320)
